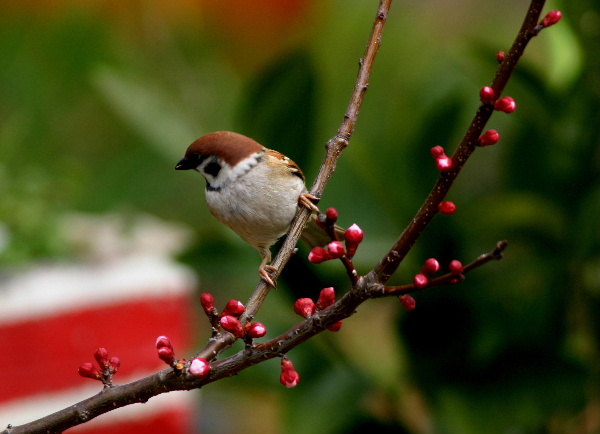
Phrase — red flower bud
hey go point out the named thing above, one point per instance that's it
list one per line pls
(335, 327)
(101, 356)
(163, 341)
(336, 249)
(115, 364)
(487, 95)
(420, 281)
(490, 137)
(87, 370)
(430, 267)
(199, 367)
(167, 355)
(408, 302)
(318, 254)
(256, 330)
(234, 307)
(332, 215)
(501, 55)
(353, 236)
(551, 18)
(289, 376)
(447, 207)
(456, 267)
(437, 152)
(208, 302)
(305, 307)
(233, 326)
(506, 105)
(326, 298)
(444, 164)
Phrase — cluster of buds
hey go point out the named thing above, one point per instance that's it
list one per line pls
(442, 161)
(229, 318)
(422, 279)
(289, 376)
(487, 95)
(306, 307)
(353, 236)
(166, 353)
(108, 367)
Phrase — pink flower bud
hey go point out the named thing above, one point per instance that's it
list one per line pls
(490, 137)
(430, 267)
(335, 327)
(289, 376)
(551, 18)
(420, 281)
(332, 215)
(336, 249)
(318, 254)
(501, 55)
(199, 367)
(101, 356)
(163, 341)
(256, 330)
(208, 302)
(487, 95)
(87, 370)
(456, 267)
(167, 355)
(305, 307)
(506, 105)
(447, 207)
(234, 308)
(353, 236)
(233, 326)
(437, 152)
(444, 164)
(408, 302)
(326, 298)
(115, 364)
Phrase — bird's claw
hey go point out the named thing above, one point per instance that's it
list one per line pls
(307, 200)
(265, 273)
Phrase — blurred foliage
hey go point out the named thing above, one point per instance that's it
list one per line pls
(98, 102)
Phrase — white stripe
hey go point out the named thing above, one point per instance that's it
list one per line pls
(54, 288)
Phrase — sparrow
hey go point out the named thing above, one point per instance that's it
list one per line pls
(254, 190)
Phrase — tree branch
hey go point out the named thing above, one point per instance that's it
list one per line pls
(390, 263)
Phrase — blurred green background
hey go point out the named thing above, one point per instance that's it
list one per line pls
(98, 101)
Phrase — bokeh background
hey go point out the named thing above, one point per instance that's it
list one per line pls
(99, 99)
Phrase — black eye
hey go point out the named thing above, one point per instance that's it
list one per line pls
(213, 168)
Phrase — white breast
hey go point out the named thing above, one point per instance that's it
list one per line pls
(258, 210)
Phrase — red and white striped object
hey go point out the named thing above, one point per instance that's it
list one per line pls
(53, 318)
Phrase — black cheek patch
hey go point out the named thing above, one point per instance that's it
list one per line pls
(213, 168)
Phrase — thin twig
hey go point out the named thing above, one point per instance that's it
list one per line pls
(335, 146)
(448, 278)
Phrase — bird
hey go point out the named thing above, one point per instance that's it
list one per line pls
(253, 190)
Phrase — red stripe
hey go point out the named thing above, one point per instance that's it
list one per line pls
(43, 355)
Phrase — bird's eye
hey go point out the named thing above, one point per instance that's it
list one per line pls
(213, 168)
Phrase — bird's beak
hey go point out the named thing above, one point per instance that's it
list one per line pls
(185, 164)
